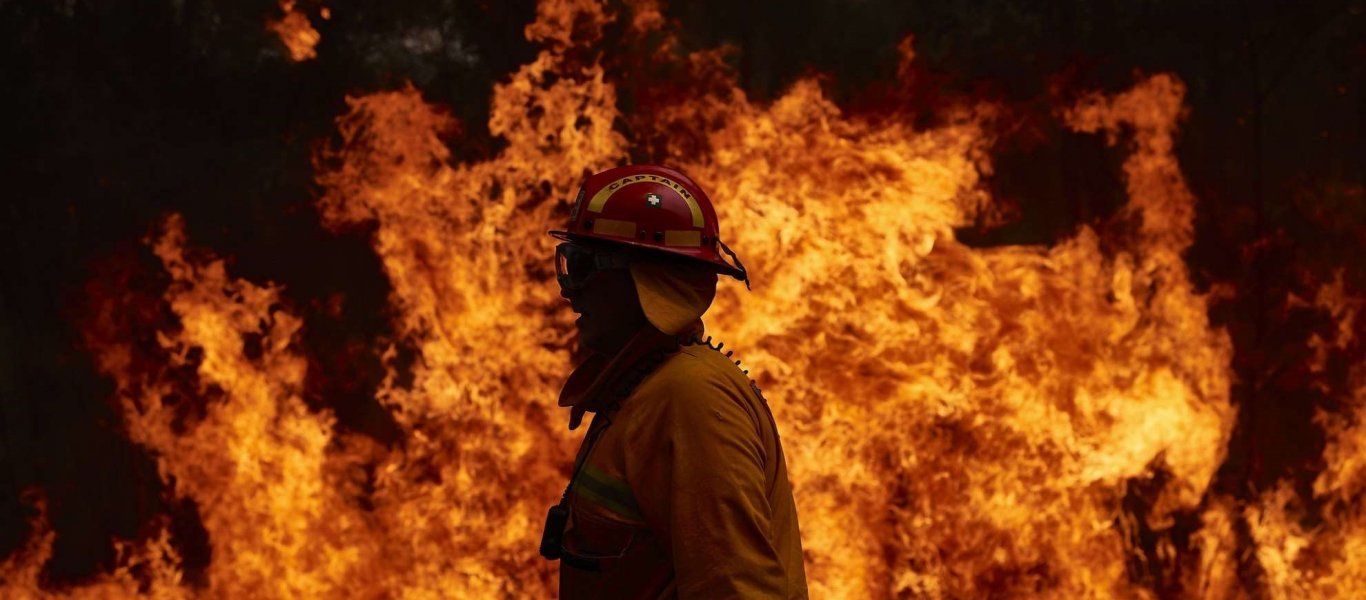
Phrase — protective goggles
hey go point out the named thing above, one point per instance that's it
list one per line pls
(574, 264)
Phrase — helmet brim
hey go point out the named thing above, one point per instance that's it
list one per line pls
(647, 249)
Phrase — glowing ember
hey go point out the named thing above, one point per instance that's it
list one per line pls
(959, 422)
(296, 31)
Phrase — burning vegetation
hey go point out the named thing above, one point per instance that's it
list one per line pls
(961, 419)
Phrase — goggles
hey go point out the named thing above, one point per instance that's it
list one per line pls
(574, 264)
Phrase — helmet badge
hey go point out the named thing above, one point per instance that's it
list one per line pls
(653, 200)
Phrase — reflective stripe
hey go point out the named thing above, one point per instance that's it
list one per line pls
(607, 491)
(614, 227)
(674, 237)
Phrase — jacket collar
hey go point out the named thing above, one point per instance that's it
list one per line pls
(602, 381)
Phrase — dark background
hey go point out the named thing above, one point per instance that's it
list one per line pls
(116, 114)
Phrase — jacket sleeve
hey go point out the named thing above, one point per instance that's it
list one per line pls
(697, 468)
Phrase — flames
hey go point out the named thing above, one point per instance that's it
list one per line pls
(959, 422)
(296, 31)
(965, 422)
(1303, 558)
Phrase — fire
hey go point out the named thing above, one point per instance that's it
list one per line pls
(965, 422)
(296, 31)
(1323, 560)
(959, 422)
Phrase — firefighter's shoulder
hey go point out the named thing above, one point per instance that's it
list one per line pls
(695, 384)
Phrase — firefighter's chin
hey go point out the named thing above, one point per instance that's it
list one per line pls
(590, 336)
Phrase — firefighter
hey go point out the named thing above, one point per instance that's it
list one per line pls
(680, 488)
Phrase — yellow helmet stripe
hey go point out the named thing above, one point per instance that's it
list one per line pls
(614, 227)
(675, 237)
(600, 199)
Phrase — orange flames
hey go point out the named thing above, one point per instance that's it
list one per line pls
(1324, 559)
(959, 422)
(296, 31)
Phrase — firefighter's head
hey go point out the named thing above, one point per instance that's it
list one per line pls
(597, 283)
(642, 246)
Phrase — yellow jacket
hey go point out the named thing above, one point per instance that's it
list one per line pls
(683, 492)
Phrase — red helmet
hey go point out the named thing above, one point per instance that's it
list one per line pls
(653, 208)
